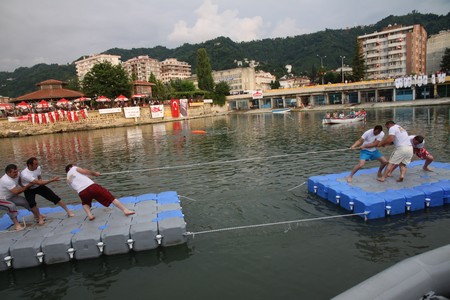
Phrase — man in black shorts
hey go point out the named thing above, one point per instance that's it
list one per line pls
(32, 174)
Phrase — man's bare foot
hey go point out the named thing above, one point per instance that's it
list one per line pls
(129, 212)
(40, 221)
(381, 179)
(19, 228)
(427, 169)
(70, 214)
(349, 179)
(400, 179)
(91, 218)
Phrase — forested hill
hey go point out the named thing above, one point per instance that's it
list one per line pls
(272, 54)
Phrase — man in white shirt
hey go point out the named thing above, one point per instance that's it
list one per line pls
(32, 174)
(403, 150)
(10, 188)
(88, 190)
(369, 141)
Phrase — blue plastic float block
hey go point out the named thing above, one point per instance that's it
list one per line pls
(146, 197)
(313, 180)
(322, 187)
(337, 190)
(56, 247)
(168, 197)
(375, 206)
(415, 197)
(435, 195)
(395, 200)
(145, 212)
(351, 196)
(6, 240)
(172, 227)
(445, 186)
(126, 200)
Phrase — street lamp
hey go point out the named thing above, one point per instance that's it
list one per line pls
(342, 67)
(321, 64)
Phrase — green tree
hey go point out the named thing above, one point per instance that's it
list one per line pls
(445, 62)
(159, 90)
(275, 85)
(358, 63)
(180, 85)
(106, 79)
(204, 73)
(221, 90)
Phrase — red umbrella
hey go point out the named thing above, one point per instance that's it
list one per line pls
(43, 104)
(62, 102)
(103, 99)
(121, 98)
(82, 99)
(5, 106)
(23, 104)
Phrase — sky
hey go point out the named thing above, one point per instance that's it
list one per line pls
(51, 31)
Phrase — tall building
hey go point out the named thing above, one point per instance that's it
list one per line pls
(171, 68)
(85, 64)
(395, 51)
(436, 46)
(141, 67)
(240, 80)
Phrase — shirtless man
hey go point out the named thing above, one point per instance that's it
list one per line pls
(88, 190)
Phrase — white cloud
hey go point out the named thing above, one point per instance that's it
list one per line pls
(211, 23)
(287, 27)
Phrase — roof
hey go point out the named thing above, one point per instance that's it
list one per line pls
(49, 94)
(51, 82)
(139, 82)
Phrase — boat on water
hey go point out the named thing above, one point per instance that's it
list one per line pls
(281, 110)
(346, 120)
(424, 276)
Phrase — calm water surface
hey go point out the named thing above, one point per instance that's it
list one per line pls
(248, 169)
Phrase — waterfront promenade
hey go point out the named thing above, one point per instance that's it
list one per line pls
(99, 121)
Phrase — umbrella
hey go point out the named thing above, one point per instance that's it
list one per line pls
(82, 99)
(62, 102)
(43, 104)
(103, 99)
(121, 98)
(5, 106)
(23, 104)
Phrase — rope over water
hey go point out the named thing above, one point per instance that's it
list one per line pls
(224, 161)
(272, 224)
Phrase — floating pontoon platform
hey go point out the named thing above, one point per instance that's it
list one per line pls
(373, 199)
(158, 220)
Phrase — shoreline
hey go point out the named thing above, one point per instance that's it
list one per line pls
(96, 121)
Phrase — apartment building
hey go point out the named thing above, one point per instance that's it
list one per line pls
(84, 65)
(240, 80)
(171, 68)
(395, 51)
(140, 68)
(263, 80)
(436, 46)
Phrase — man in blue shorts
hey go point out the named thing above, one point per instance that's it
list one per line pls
(369, 141)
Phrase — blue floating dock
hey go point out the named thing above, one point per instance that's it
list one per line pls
(158, 221)
(373, 199)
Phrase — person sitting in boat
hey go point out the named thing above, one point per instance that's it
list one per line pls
(327, 115)
(335, 115)
(352, 114)
(362, 112)
(341, 115)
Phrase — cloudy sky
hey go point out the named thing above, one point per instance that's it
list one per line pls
(51, 31)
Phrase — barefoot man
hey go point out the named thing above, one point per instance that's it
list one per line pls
(403, 150)
(88, 190)
(369, 141)
(32, 174)
(10, 188)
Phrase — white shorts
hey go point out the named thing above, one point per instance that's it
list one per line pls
(402, 155)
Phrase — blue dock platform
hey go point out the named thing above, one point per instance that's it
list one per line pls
(158, 221)
(373, 199)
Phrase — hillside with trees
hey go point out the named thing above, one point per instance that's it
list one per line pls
(272, 54)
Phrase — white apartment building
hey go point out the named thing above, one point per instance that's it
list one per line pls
(263, 80)
(171, 68)
(240, 80)
(141, 67)
(395, 51)
(436, 46)
(84, 65)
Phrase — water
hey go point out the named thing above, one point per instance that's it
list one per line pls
(248, 169)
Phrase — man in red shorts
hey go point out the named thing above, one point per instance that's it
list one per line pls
(88, 190)
(417, 141)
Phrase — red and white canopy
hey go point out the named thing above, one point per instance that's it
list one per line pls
(121, 98)
(82, 99)
(103, 99)
(5, 106)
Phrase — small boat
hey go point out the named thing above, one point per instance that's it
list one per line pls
(281, 110)
(347, 120)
